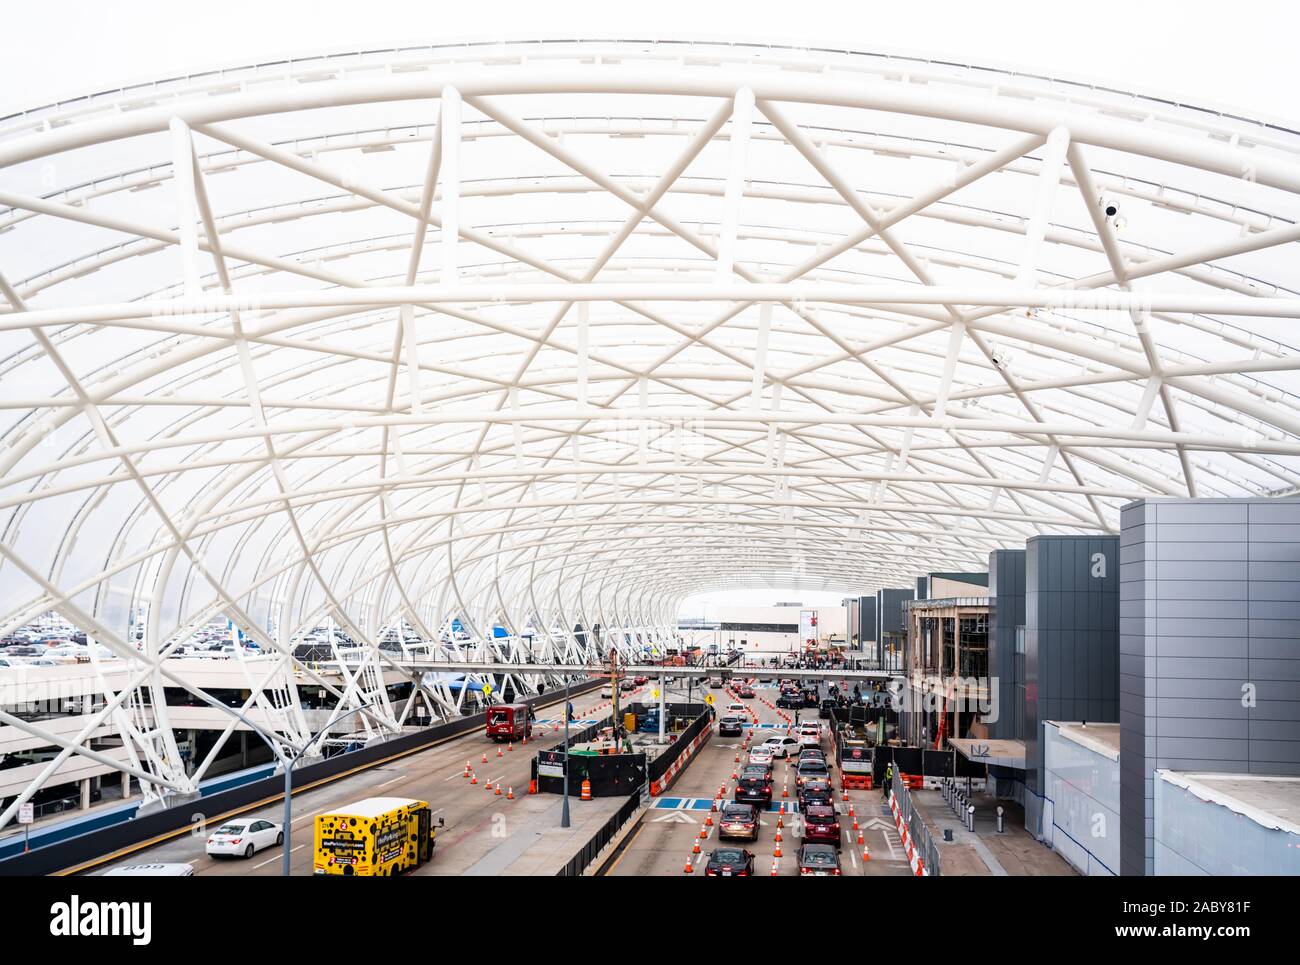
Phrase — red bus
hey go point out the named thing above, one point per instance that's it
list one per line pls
(509, 722)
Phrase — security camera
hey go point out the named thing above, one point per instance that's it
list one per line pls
(1109, 207)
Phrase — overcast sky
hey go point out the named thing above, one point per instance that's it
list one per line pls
(1239, 54)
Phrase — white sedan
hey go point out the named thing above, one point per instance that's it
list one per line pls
(782, 746)
(740, 710)
(244, 837)
(762, 754)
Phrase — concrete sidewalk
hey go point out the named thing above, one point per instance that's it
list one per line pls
(528, 839)
(985, 851)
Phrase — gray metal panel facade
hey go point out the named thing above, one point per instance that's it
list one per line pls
(1071, 638)
(867, 618)
(922, 588)
(889, 614)
(1006, 613)
(1209, 648)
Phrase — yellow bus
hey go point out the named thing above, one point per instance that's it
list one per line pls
(380, 836)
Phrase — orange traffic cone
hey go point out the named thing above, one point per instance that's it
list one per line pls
(485, 757)
(777, 852)
(708, 820)
(689, 870)
(696, 848)
(511, 745)
(499, 754)
(861, 840)
(532, 786)
(510, 794)
(704, 833)
(498, 790)
(866, 854)
(473, 778)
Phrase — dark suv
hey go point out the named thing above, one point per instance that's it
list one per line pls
(754, 786)
(815, 791)
(821, 824)
(811, 769)
(824, 711)
(731, 727)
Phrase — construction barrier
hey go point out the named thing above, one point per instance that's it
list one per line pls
(665, 768)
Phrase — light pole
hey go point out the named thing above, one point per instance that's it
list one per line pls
(564, 805)
(289, 763)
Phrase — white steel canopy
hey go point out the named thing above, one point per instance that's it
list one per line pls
(535, 335)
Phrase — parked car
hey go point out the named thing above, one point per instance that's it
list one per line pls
(821, 824)
(820, 860)
(244, 837)
(738, 820)
(730, 863)
(731, 726)
(782, 746)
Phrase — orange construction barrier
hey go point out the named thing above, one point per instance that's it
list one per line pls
(586, 790)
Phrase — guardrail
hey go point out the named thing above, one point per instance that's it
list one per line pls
(922, 852)
(578, 863)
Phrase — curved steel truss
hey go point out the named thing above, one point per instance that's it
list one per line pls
(405, 346)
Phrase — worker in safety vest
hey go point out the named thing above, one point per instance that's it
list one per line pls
(889, 779)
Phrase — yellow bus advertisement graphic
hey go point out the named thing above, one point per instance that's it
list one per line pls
(377, 837)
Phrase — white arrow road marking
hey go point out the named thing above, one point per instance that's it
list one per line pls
(674, 817)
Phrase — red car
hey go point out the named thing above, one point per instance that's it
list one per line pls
(821, 824)
(819, 859)
(745, 692)
(641, 681)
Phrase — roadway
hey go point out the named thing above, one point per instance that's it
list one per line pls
(479, 822)
(668, 830)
